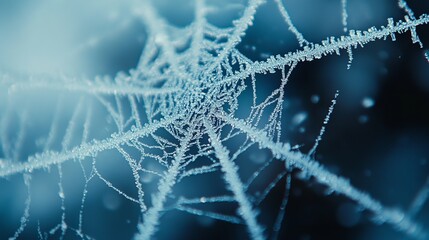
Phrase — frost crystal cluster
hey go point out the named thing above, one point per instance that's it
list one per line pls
(197, 138)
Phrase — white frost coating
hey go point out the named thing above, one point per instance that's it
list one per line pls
(151, 218)
(135, 168)
(414, 37)
(85, 150)
(329, 46)
(420, 199)
(282, 210)
(325, 122)
(70, 130)
(91, 88)
(26, 215)
(4, 126)
(236, 186)
(344, 14)
(403, 4)
(240, 26)
(200, 24)
(21, 137)
(350, 53)
(217, 216)
(395, 217)
(191, 77)
(160, 36)
(292, 28)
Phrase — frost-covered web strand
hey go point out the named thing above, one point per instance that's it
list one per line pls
(49, 158)
(240, 26)
(87, 124)
(39, 232)
(198, 36)
(217, 216)
(113, 112)
(224, 198)
(4, 138)
(135, 169)
(19, 142)
(26, 215)
(111, 186)
(161, 62)
(82, 205)
(350, 53)
(53, 130)
(292, 28)
(157, 29)
(278, 110)
(420, 200)
(270, 187)
(135, 111)
(199, 171)
(344, 14)
(232, 179)
(410, 15)
(403, 4)
(257, 173)
(325, 122)
(61, 194)
(121, 117)
(91, 88)
(282, 210)
(395, 217)
(71, 128)
(151, 218)
(85, 136)
(329, 46)
(257, 111)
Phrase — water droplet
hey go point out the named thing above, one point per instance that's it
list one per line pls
(367, 102)
(299, 118)
(315, 99)
(111, 201)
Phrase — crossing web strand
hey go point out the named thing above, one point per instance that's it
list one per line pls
(325, 122)
(212, 126)
(344, 14)
(288, 21)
